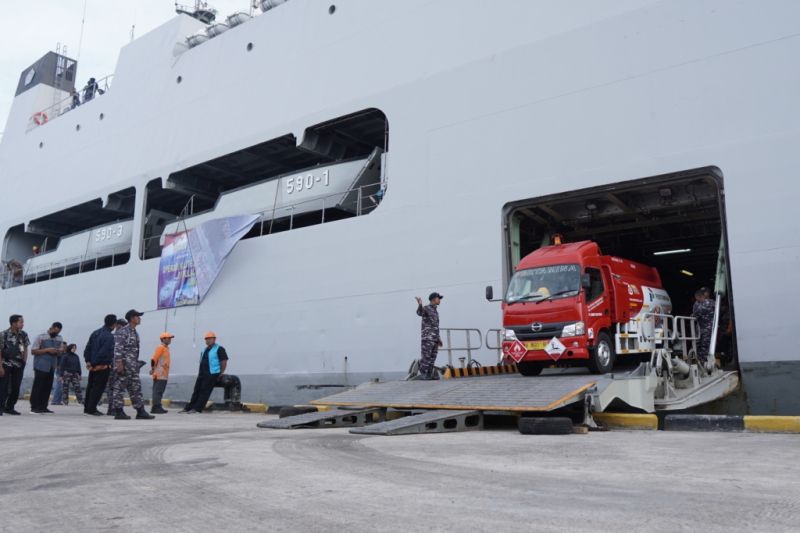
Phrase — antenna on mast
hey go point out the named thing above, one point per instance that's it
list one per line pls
(133, 31)
(83, 23)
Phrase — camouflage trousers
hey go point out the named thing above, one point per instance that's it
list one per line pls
(71, 380)
(430, 349)
(704, 345)
(129, 381)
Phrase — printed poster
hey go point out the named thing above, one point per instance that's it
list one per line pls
(191, 260)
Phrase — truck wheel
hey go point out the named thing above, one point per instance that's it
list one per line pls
(558, 425)
(530, 369)
(602, 357)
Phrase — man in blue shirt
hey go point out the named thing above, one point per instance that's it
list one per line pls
(213, 362)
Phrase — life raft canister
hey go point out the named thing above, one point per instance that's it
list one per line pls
(40, 118)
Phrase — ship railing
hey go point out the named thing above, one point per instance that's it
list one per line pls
(468, 341)
(494, 342)
(65, 105)
(285, 218)
(16, 275)
(679, 333)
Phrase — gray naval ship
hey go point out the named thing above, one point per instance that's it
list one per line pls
(389, 149)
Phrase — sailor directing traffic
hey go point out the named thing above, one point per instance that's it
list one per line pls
(431, 340)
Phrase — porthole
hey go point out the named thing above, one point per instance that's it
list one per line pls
(102, 116)
(41, 145)
(178, 79)
(77, 127)
(249, 47)
(332, 9)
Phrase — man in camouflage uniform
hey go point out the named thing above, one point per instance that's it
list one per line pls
(431, 341)
(14, 343)
(703, 312)
(112, 377)
(126, 367)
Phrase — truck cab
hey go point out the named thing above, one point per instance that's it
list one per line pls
(566, 304)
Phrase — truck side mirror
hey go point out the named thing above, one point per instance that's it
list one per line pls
(489, 293)
(586, 281)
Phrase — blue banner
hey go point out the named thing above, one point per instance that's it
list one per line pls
(191, 260)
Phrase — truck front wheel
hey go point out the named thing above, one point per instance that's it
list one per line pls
(530, 369)
(601, 359)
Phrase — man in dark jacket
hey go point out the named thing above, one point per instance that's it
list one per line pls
(99, 357)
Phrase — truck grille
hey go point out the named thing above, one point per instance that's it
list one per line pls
(548, 331)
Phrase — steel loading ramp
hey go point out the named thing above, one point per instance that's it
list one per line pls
(513, 393)
(640, 388)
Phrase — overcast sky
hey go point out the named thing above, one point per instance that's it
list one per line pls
(32, 28)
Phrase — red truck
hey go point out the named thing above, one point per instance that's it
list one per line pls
(569, 304)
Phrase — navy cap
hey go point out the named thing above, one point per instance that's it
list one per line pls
(132, 313)
(434, 295)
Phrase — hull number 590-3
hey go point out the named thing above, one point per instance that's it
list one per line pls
(109, 232)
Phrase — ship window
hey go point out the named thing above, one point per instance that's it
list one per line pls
(334, 172)
(88, 236)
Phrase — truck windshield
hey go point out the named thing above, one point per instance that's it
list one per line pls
(544, 283)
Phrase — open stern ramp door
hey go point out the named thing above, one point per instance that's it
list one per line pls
(494, 393)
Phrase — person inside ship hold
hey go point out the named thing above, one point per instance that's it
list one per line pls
(126, 367)
(99, 356)
(46, 350)
(213, 362)
(431, 339)
(703, 313)
(76, 99)
(14, 344)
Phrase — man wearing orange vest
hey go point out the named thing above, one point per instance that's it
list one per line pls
(160, 372)
(213, 361)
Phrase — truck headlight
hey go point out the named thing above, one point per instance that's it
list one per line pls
(573, 330)
(509, 335)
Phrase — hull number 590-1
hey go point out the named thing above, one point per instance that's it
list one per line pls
(307, 181)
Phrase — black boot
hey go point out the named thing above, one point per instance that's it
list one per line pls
(142, 414)
(120, 415)
(111, 411)
(158, 410)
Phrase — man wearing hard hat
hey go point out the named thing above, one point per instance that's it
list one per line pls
(213, 361)
(159, 369)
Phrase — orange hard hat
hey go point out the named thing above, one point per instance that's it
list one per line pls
(166, 335)
(210, 335)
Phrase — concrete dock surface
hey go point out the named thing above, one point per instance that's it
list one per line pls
(67, 472)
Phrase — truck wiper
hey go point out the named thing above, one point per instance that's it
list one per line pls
(559, 293)
(526, 298)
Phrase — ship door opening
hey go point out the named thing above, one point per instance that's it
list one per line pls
(336, 171)
(90, 236)
(675, 223)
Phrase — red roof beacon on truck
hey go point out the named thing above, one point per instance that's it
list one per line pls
(569, 304)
